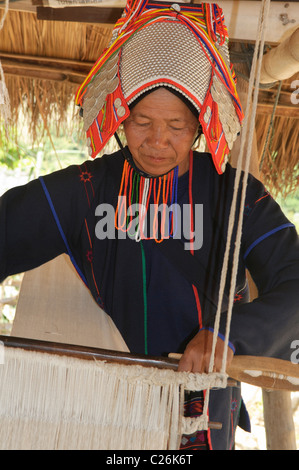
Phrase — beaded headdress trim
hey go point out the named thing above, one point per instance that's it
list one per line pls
(182, 46)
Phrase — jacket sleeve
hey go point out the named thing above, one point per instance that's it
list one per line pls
(269, 325)
(29, 234)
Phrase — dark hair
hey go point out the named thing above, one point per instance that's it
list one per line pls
(172, 90)
(176, 93)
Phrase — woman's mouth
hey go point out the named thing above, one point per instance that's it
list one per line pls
(155, 158)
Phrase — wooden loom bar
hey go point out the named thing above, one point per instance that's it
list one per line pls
(87, 353)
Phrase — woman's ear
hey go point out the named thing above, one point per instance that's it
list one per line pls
(199, 132)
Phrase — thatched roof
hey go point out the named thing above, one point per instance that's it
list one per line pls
(45, 61)
(278, 150)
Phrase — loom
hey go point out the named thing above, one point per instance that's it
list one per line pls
(55, 395)
(69, 394)
(80, 396)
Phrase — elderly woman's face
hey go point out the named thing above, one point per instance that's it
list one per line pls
(160, 132)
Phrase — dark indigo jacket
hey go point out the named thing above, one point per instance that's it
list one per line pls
(57, 214)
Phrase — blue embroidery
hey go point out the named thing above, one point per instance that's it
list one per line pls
(61, 230)
(266, 235)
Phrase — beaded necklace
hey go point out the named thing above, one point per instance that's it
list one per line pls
(141, 195)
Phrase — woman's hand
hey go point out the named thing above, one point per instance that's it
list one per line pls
(197, 355)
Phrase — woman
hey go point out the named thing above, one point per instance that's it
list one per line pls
(158, 285)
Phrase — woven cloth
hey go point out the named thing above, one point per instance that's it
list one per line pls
(171, 53)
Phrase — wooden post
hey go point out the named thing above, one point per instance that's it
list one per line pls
(279, 423)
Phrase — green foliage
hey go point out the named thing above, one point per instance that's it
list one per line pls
(49, 155)
(62, 151)
(15, 155)
(290, 206)
(10, 153)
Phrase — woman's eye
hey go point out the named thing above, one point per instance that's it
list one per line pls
(142, 123)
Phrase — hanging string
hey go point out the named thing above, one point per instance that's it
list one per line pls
(248, 127)
(136, 192)
(5, 109)
(257, 65)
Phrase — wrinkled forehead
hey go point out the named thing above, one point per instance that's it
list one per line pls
(186, 102)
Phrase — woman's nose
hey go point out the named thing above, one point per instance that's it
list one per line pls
(158, 137)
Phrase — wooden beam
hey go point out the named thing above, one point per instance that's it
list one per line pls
(281, 111)
(241, 16)
(285, 107)
(70, 63)
(20, 5)
(75, 71)
(41, 73)
(45, 68)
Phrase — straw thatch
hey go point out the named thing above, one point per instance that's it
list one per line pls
(23, 33)
(279, 161)
(278, 147)
(42, 92)
(42, 102)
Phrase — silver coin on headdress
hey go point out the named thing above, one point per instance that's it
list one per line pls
(106, 81)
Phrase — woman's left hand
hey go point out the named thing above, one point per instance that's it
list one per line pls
(197, 355)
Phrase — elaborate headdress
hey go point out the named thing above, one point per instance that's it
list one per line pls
(182, 46)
